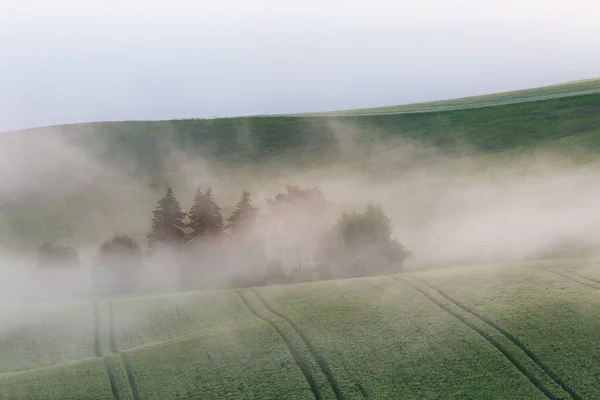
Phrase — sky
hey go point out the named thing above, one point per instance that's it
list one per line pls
(68, 61)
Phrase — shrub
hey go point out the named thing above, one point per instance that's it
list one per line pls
(361, 244)
(118, 265)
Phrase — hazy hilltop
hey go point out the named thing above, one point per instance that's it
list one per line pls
(81, 182)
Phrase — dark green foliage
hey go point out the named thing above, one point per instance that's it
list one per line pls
(167, 222)
(206, 250)
(118, 265)
(244, 215)
(361, 244)
(205, 216)
(49, 255)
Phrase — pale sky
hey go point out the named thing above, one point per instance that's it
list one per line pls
(66, 61)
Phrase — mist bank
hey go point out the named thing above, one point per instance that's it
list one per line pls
(526, 191)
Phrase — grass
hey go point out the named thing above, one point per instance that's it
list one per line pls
(508, 331)
(81, 380)
(556, 317)
(41, 336)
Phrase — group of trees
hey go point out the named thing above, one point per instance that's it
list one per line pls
(297, 239)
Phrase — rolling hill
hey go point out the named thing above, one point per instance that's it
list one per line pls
(567, 115)
(521, 331)
(254, 152)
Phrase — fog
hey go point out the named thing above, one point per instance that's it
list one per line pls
(446, 210)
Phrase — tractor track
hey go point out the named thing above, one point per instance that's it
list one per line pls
(513, 339)
(528, 374)
(98, 353)
(297, 357)
(320, 361)
(582, 280)
(124, 357)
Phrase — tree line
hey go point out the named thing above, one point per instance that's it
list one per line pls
(297, 239)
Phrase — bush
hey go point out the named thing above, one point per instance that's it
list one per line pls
(361, 244)
(118, 265)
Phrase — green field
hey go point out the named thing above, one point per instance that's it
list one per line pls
(587, 86)
(256, 152)
(520, 331)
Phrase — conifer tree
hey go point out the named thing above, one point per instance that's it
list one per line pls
(205, 215)
(167, 222)
(245, 214)
(215, 225)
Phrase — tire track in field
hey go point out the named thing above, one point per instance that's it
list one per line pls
(572, 276)
(532, 378)
(112, 339)
(98, 353)
(295, 354)
(558, 380)
(97, 348)
(593, 280)
(320, 361)
(112, 379)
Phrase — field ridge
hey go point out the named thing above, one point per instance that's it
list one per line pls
(489, 337)
(320, 361)
(513, 339)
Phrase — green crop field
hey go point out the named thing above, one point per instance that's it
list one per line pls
(568, 89)
(251, 152)
(519, 331)
(522, 330)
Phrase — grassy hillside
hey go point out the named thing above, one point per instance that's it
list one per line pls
(566, 115)
(516, 331)
(567, 89)
(250, 152)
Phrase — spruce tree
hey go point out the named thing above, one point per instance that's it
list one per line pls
(205, 215)
(167, 222)
(245, 214)
(215, 218)
(197, 215)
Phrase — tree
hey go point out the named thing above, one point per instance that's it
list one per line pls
(204, 253)
(297, 218)
(205, 216)
(167, 222)
(244, 216)
(361, 244)
(245, 247)
(57, 256)
(118, 265)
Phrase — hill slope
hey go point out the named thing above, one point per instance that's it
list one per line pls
(569, 113)
(527, 331)
(245, 152)
(568, 89)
